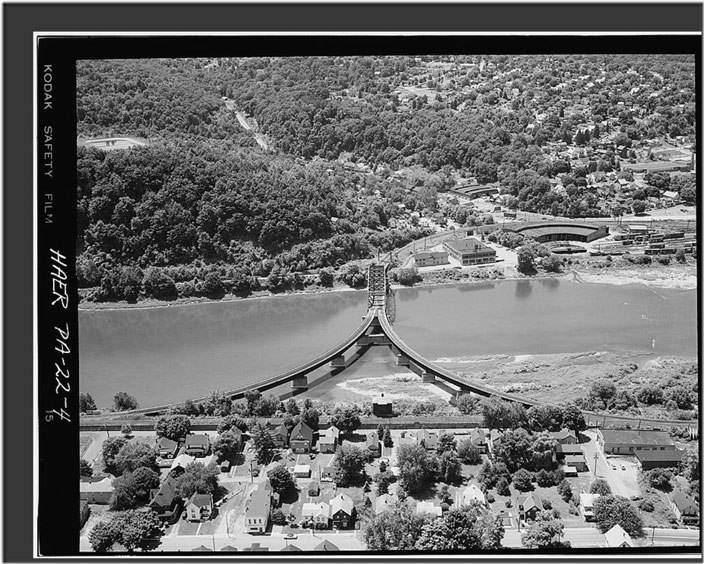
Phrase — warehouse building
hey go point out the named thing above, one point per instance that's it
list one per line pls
(470, 251)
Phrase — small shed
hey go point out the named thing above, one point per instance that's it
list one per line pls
(382, 406)
(314, 489)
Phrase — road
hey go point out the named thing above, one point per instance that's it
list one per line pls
(583, 537)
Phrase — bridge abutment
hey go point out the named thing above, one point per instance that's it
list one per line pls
(300, 383)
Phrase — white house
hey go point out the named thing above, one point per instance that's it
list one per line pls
(469, 494)
(616, 537)
(319, 513)
(428, 508)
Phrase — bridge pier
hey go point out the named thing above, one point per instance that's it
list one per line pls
(338, 361)
(427, 376)
(300, 383)
(402, 360)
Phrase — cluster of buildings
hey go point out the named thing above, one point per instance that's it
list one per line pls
(465, 252)
(164, 501)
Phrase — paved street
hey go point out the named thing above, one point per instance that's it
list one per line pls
(622, 482)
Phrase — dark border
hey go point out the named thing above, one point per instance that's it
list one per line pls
(21, 20)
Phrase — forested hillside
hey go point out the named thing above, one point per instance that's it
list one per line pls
(204, 199)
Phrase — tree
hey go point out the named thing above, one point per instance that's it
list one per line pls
(600, 487)
(523, 480)
(292, 407)
(545, 418)
(490, 474)
(157, 284)
(278, 517)
(346, 419)
(502, 487)
(232, 422)
(467, 403)
(468, 528)
(138, 529)
(197, 478)
(416, 467)
(263, 443)
(612, 510)
(393, 530)
(103, 535)
(383, 479)
(449, 467)
(689, 464)
(85, 469)
(446, 443)
(639, 206)
(281, 479)
(408, 276)
(544, 532)
(501, 414)
(86, 403)
(174, 427)
(544, 478)
(349, 462)
(135, 455)
(573, 418)
(553, 263)
(602, 390)
(124, 402)
(311, 417)
(526, 260)
(111, 448)
(228, 445)
(326, 277)
(565, 490)
(132, 489)
(212, 286)
(126, 430)
(468, 453)
(659, 478)
(132, 529)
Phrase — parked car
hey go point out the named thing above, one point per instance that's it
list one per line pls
(291, 536)
(623, 466)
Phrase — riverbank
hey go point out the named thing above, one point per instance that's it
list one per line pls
(675, 277)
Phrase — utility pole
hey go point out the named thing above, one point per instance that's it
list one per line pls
(596, 460)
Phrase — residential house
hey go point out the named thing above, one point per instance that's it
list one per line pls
(179, 464)
(428, 508)
(381, 406)
(164, 501)
(650, 459)
(258, 509)
(405, 439)
(328, 473)
(570, 471)
(577, 461)
(280, 436)
(342, 511)
(630, 442)
(166, 448)
(384, 502)
(479, 439)
(565, 437)
(328, 440)
(301, 471)
(199, 507)
(616, 537)
(373, 444)
(85, 512)
(326, 546)
(96, 489)
(197, 445)
(291, 548)
(318, 513)
(301, 440)
(469, 494)
(428, 439)
(529, 506)
(685, 508)
(586, 505)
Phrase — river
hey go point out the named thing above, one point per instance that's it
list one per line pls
(163, 355)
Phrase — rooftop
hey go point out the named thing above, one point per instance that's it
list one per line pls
(626, 437)
(468, 245)
(659, 455)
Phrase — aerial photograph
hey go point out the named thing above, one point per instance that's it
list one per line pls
(425, 303)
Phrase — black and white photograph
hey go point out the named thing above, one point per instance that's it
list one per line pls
(439, 296)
